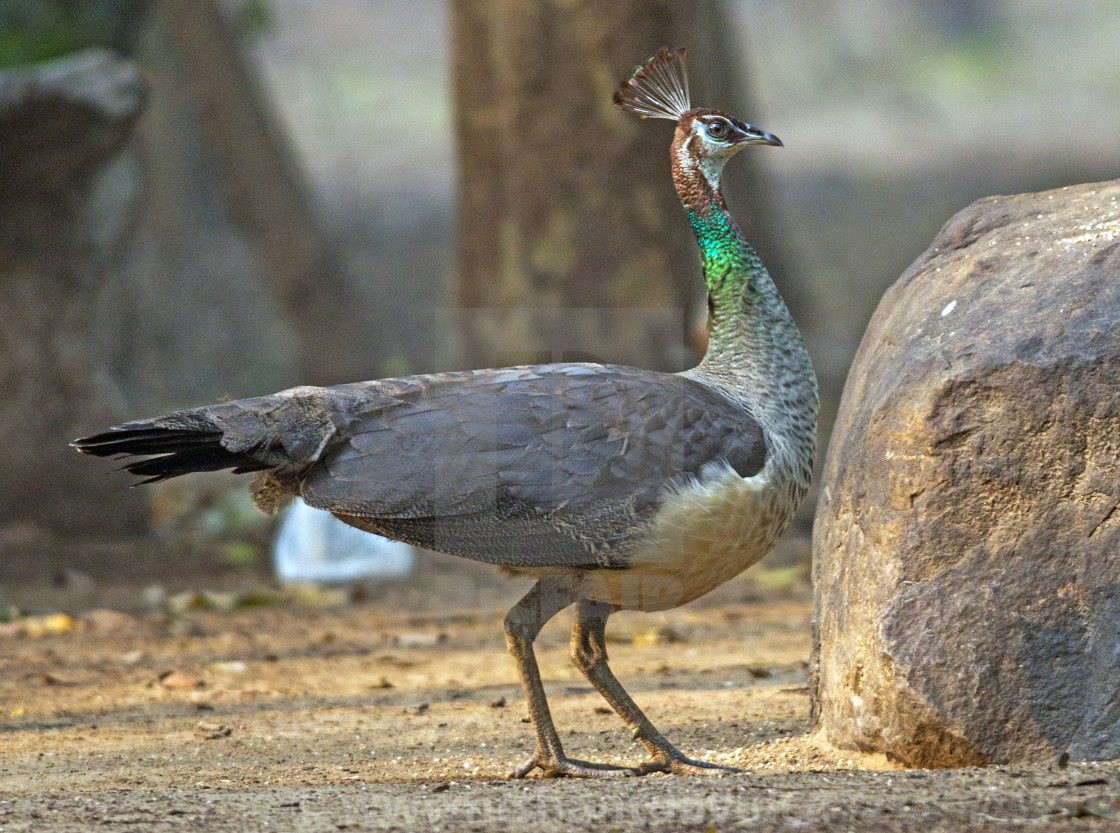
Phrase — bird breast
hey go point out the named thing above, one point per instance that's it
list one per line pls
(706, 532)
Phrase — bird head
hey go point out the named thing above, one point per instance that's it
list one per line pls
(705, 139)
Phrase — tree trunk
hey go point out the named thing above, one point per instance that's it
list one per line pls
(60, 125)
(572, 242)
(266, 190)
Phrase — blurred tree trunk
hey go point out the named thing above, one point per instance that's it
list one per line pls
(60, 126)
(264, 185)
(572, 243)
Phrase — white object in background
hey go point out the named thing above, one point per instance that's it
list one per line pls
(314, 546)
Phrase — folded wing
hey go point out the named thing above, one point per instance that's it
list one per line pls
(556, 465)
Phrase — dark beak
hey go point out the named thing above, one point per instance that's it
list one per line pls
(751, 135)
(757, 136)
(771, 139)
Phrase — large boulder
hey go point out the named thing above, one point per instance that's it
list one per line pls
(967, 543)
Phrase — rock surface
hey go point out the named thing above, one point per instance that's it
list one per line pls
(967, 544)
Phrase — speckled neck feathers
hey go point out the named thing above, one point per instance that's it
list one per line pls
(755, 351)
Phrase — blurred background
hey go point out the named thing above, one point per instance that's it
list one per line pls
(222, 199)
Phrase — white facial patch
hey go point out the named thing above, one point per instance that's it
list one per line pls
(713, 154)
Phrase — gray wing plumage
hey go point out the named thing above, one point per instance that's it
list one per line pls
(557, 465)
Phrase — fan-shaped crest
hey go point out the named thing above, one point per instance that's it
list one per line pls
(658, 88)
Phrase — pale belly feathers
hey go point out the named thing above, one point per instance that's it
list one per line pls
(707, 533)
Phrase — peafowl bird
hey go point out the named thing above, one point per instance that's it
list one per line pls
(615, 488)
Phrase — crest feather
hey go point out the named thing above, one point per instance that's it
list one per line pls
(658, 88)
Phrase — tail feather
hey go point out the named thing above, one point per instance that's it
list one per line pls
(283, 431)
(170, 451)
(148, 439)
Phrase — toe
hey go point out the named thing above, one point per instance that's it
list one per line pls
(679, 764)
(523, 770)
(564, 767)
(586, 769)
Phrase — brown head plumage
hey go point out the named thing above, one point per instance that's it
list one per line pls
(704, 139)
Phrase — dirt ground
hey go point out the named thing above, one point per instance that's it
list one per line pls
(401, 711)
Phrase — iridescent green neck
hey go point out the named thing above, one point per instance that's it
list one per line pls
(754, 348)
(731, 268)
(755, 353)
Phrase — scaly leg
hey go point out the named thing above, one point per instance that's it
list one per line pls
(589, 653)
(524, 621)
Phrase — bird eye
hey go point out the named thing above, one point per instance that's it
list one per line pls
(718, 129)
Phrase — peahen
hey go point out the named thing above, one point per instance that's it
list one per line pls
(616, 488)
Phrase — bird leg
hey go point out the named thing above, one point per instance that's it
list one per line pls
(589, 654)
(524, 621)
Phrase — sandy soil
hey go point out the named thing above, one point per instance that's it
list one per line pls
(403, 712)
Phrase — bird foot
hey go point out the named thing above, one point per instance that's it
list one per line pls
(676, 763)
(561, 766)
